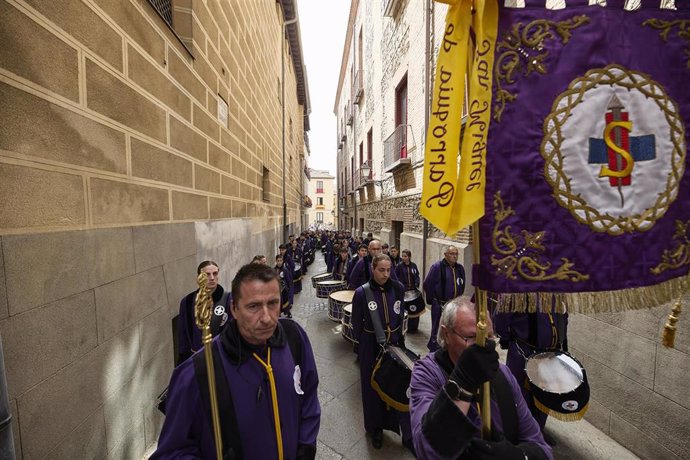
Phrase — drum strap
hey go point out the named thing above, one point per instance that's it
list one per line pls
(230, 433)
(375, 318)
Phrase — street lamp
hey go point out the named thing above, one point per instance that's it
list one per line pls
(365, 170)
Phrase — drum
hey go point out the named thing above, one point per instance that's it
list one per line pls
(346, 329)
(559, 385)
(391, 376)
(320, 277)
(297, 278)
(415, 307)
(336, 303)
(325, 288)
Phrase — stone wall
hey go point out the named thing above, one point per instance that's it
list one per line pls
(117, 177)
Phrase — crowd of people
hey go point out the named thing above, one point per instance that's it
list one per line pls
(266, 376)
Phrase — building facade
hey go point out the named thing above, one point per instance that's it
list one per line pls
(321, 193)
(137, 139)
(637, 385)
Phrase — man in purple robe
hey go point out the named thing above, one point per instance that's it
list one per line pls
(188, 335)
(361, 272)
(445, 281)
(287, 293)
(523, 334)
(270, 379)
(446, 422)
(408, 274)
(388, 295)
(341, 263)
(361, 253)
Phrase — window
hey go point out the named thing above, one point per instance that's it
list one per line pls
(319, 201)
(370, 146)
(164, 8)
(401, 116)
(319, 186)
(266, 184)
(319, 217)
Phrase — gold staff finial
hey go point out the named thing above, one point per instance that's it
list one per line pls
(669, 335)
(202, 315)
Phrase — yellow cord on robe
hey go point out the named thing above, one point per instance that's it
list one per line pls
(274, 398)
(452, 199)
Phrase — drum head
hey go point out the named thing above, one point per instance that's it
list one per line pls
(554, 372)
(348, 308)
(329, 283)
(411, 295)
(343, 296)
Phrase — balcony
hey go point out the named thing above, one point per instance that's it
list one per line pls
(396, 149)
(358, 86)
(350, 115)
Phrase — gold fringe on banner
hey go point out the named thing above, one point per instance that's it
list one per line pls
(594, 302)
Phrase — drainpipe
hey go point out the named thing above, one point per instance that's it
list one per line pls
(282, 84)
(6, 439)
(427, 109)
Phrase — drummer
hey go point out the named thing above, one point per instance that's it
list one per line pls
(395, 256)
(407, 271)
(443, 398)
(341, 264)
(361, 273)
(523, 334)
(388, 294)
(359, 255)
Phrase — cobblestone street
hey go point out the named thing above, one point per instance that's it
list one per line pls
(342, 434)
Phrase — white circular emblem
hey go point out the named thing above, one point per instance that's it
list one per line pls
(614, 150)
(297, 380)
(219, 310)
(408, 393)
(372, 305)
(224, 320)
(396, 307)
(570, 405)
(413, 308)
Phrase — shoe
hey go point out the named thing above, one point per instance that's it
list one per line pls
(377, 439)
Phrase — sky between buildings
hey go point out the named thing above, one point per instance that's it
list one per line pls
(323, 25)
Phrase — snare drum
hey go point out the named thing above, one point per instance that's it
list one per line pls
(326, 288)
(337, 301)
(320, 277)
(559, 385)
(346, 329)
(414, 307)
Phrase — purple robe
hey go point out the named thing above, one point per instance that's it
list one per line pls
(377, 415)
(361, 273)
(549, 333)
(433, 412)
(287, 294)
(187, 431)
(340, 268)
(408, 275)
(442, 283)
(188, 334)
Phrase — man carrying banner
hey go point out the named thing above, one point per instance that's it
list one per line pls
(443, 403)
(445, 281)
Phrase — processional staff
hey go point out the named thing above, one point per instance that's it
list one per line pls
(203, 309)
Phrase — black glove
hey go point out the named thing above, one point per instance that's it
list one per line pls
(475, 366)
(498, 450)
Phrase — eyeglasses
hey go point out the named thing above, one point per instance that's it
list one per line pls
(469, 340)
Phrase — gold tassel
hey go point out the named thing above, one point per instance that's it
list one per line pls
(669, 335)
(574, 417)
(594, 302)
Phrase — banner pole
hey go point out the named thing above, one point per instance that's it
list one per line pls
(482, 315)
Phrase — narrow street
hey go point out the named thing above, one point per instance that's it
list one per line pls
(342, 434)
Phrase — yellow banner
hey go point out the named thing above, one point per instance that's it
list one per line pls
(452, 200)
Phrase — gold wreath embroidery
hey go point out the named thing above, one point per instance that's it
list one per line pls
(611, 75)
(526, 44)
(680, 254)
(666, 26)
(523, 253)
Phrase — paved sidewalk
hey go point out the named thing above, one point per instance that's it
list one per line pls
(342, 433)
